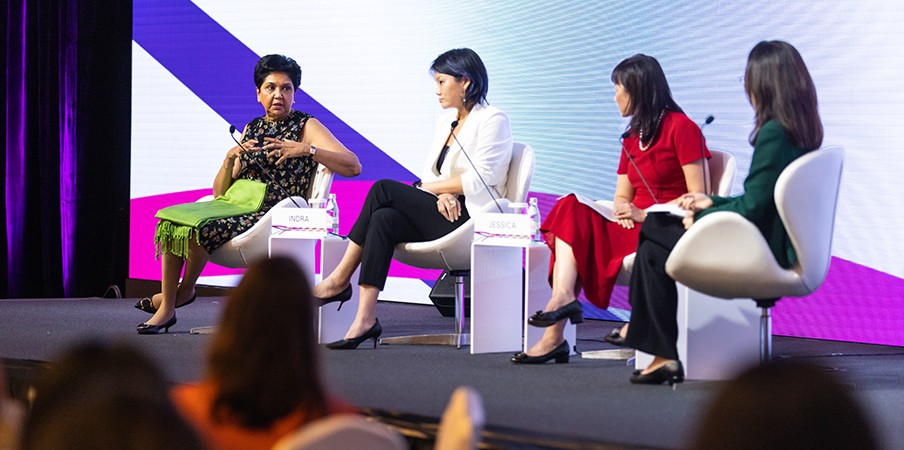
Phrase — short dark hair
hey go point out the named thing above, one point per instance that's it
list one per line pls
(780, 87)
(644, 80)
(267, 333)
(464, 63)
(277, 63)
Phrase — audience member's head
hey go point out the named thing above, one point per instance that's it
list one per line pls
(264, 359)
(100, 396)
(785, 406)
(11, 414)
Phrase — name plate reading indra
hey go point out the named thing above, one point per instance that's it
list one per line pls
(502, 229)
(310, 223)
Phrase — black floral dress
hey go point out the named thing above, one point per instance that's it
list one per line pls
(294, 175)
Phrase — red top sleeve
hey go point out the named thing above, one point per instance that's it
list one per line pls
(678, 143)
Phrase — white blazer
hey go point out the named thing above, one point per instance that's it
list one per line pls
(487, 137)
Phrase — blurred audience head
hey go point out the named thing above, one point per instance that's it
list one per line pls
(11, 415)
(785, 406)
(264, 358)
(101, 396)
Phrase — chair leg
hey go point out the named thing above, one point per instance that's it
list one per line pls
(459, 308)
(458, 338)
(765, 333)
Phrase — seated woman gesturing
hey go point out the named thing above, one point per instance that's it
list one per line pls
(278, 158)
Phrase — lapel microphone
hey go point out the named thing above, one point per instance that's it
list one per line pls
(709, 119)
(261, 167)
(489, 191)
(628, 154)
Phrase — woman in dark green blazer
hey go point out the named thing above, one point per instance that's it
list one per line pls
(783, 96)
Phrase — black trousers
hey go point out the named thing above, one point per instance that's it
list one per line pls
(395, 212)
(653, 295)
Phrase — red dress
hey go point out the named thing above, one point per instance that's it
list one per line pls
(600, 245)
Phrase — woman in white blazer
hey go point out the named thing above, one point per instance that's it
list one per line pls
(450, 186)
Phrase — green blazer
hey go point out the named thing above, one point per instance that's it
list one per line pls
(772, 152)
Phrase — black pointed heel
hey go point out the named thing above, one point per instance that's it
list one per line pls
(341, 297)
(350, 344)
(573, 311)
(144, 328)
(560, 354)
(672, 372)
(147, 305)
(615, 338)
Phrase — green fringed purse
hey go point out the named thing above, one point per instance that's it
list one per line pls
(177, 222)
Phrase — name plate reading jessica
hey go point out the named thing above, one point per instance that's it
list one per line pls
(502, 229)
(310, 223)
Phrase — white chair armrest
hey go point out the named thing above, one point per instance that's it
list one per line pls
(724, 254)
(452, 251)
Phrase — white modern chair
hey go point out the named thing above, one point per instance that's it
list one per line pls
(452, 252)
(251, 245)
(344, 431)
(723, 167)
(254, 243)
(725, 255)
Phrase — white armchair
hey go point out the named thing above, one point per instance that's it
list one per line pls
(723, 167)
(452, 252)
(253, 243)
(725, 255)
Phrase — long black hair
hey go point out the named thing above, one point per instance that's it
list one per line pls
(780, 88)
(643, 79)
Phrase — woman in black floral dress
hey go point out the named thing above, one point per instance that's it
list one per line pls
(283, 146)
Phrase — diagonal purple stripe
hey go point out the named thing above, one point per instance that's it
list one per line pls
(216, 66)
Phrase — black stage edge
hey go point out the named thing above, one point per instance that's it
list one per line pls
(584, 404)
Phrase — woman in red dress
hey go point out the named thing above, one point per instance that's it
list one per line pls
(666, 161)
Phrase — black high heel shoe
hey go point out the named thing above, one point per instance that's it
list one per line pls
(144, 328)
(341, 297)
(615, 338)
(573, 311)
(560, 354)
(147, 305)
(672, 372)
(350, 344)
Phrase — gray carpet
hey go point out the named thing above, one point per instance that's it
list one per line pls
(585, 403)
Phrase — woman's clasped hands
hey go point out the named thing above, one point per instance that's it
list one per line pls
(626, 214)
(283, 149)
(449, 206)
(693, 203)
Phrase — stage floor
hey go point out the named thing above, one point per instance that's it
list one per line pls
(586, 403)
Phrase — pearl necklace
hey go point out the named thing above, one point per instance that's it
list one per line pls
(644, 148)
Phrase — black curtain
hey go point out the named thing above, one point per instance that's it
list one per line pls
(65, 125)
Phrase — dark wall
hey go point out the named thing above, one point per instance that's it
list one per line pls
(66, 130)
(104, 125)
